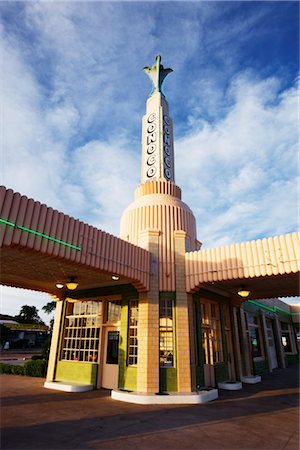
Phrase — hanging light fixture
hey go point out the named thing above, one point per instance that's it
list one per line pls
(115, 277)
(243, 292)
(72, 284)
(59, 285)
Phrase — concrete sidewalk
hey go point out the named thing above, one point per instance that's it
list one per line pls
(18, 356)
(262, 416)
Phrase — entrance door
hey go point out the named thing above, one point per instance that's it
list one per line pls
(271, 345)
(111, 358)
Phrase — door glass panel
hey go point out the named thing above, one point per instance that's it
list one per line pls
(112, 355)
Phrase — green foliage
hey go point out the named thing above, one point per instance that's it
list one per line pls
(6, 368)
(33, 368)
(29, 314)
(49, 307)
(17, 370)
(36, 357)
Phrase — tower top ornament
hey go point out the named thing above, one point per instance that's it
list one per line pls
(157, 73)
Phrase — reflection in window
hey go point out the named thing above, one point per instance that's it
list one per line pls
(82, 331)
(166, 335)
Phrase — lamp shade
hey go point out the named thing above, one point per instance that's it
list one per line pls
(72, 284)
(243, 293)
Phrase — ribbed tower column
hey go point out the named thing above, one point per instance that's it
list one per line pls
(158, 205)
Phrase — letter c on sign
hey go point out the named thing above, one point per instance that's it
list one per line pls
(151, 160)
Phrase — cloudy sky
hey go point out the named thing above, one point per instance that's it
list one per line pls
(73, 95)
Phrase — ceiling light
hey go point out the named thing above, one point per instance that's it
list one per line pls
(243, 292)
(115, 277)
(72, 284)
(59, 285)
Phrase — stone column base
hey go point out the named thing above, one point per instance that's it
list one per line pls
(252, 379)
(190, 398)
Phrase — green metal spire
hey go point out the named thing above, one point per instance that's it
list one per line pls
(157, 73)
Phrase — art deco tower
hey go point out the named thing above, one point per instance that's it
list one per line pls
(160, 222)
(158, 206)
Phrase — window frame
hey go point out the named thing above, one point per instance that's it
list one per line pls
(166, 333)
(289, 332)
(132, 357)
(211, 326)
(257, 326)
(80, 341)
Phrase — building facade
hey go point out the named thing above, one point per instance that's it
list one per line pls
(153, 314)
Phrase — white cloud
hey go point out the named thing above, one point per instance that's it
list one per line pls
(108, 174)
(240, 176)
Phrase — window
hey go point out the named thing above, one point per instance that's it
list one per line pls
(82, 331)
(211, 332)
(255, 336)
(132, 333)
(166, 335)
(287, 338)
(114, 311)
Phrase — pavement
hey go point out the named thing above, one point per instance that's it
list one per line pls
(261, 416)
(18, 357)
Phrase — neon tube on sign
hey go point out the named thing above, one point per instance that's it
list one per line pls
(37, 233)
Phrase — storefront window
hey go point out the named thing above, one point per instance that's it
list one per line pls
(287, 337)
(255, 336)
(132, 333)
(166, 333)
(82, 331)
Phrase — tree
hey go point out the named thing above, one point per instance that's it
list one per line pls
(49, 307)
(29, 314)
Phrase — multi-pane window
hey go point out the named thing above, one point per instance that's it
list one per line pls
(255, 336)
(82, 331)
(166, 333)
(132, 332)
(211, 332)
(287, 338)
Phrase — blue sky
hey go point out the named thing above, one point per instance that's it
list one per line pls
(73, 96)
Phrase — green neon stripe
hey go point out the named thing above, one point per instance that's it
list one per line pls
(272, 309)
(6, 222)
(50, 238)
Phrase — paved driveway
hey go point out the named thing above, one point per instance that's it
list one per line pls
(263, 416)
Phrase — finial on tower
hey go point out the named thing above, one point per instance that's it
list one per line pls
(157, 73)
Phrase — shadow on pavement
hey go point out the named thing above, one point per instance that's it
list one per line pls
(69, 425)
